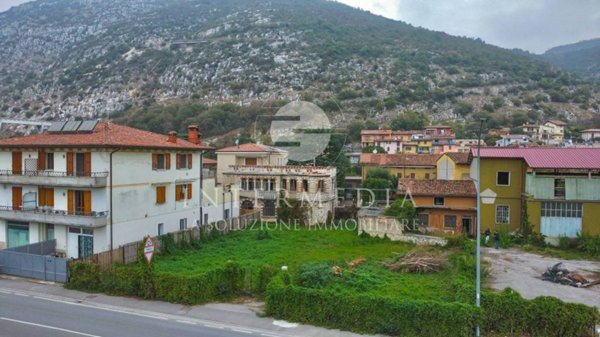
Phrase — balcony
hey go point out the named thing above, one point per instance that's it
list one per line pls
(57, 217)
(54, 178)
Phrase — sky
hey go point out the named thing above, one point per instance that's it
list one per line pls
(533, 25)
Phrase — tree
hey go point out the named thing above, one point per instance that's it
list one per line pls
(292, 211)
(371, 148)
(409, 120)
(379, 180)
(403, 209)
(463, 108)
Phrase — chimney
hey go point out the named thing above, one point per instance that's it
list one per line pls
(172, 137)
(193, 134)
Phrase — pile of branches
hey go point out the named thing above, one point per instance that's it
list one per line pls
(418, 262)
(558, 274)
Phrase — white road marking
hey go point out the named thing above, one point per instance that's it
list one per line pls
(4, 292)
(185, 322)
(214, 326)
(20, 294)
(268, 335)
(242, 331)
(47, 327)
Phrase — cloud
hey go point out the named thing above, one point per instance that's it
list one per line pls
(534, 25)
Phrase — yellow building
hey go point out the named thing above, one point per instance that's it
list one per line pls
(411, 166)
(556, 187)
(454, 166)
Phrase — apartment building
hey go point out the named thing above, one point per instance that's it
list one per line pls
(411, 166)
(94, 185)
(552, 132)
(263, 176)
(434, 139)
(556, 189)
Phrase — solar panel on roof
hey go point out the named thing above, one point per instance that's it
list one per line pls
(56, 126)
(71, 126)
(87, 125)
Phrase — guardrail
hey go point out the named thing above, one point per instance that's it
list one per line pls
(51, 211)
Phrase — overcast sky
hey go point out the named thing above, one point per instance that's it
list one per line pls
(534, 25)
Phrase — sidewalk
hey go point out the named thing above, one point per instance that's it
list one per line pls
(218, 314)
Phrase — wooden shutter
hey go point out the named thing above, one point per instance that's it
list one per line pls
(251, 161)
(70, 202)
(161, 192)
(168, 161)
(154, 161)
(17, 198)
(69, 163)
(50, 197)
(87, 163)
(87, 202)
(189, 161)
(41, 160)
(178, 161)
(189, 191)
(17, 162)
(178, 192)
(42, 197)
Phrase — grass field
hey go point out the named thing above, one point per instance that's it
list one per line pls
(294, 248)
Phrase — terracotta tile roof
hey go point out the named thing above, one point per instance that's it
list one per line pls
(398, 160)
(557, 122)
(251, 147)
(444, 188)
(209, 162)
(460, 158)
(547, 157)
(104, 135)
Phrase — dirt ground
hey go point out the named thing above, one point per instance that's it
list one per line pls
(522, 272)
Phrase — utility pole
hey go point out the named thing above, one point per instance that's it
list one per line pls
(478, 281)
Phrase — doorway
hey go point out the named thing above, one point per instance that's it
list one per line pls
(467, 225)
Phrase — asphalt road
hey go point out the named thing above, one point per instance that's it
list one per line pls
(33, 316)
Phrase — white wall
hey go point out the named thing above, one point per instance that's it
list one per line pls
(5, 160)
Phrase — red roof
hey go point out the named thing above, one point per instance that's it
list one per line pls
(104, 135)
(251, 147)
(549, 158)
(447, 188)
(209, 162)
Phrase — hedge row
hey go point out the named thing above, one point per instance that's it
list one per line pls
(141, 280)
(370, 314)
(505, 312)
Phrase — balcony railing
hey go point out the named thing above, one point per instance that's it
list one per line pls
(49, 215)
(54, 178)
(50, 173)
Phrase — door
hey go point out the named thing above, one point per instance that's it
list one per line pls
(17, 198)
(269, 209)
(17, 162)
(80, 164)
(467, 226)
(18, 235)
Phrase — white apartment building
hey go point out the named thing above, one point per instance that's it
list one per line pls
(93, 186)
(259, 174)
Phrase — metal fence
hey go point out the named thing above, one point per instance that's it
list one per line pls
(35, 261)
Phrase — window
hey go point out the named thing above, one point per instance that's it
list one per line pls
(562, 209)
(161, 228)
(183, 161)
(438, 201)
(226, 215)
(412, 176)
(250, 161)
(503, 178)
(50, 232)
(182, 224)
(46, 197)
(502, 214)
(559, 188)
(427, 176)
(305, 185)
(17, 235)
(161, 161)
(205, 219)
(293, 185)
(321, 186)
(450, 221)
(183, 192)
(49, 161)
(161, 194)
(79, 202)
(250, 184)
(284, 184)
(244, 184)
(422, 219)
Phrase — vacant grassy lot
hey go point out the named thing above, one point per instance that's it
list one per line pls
(294, 248)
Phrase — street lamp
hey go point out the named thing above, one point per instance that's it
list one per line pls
(478, 281)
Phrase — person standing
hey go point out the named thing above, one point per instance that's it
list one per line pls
(487, 236)
(497, 239)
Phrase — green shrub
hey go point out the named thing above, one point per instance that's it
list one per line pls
(315, 275)
(589, 244)
(83, 276)
(265, 275)
(369, 314)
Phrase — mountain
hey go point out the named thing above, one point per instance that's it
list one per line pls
(158, 64)
(581, 57)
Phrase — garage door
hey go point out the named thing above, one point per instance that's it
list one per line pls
(561, 219)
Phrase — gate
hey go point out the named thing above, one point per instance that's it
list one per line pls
(34, 261)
